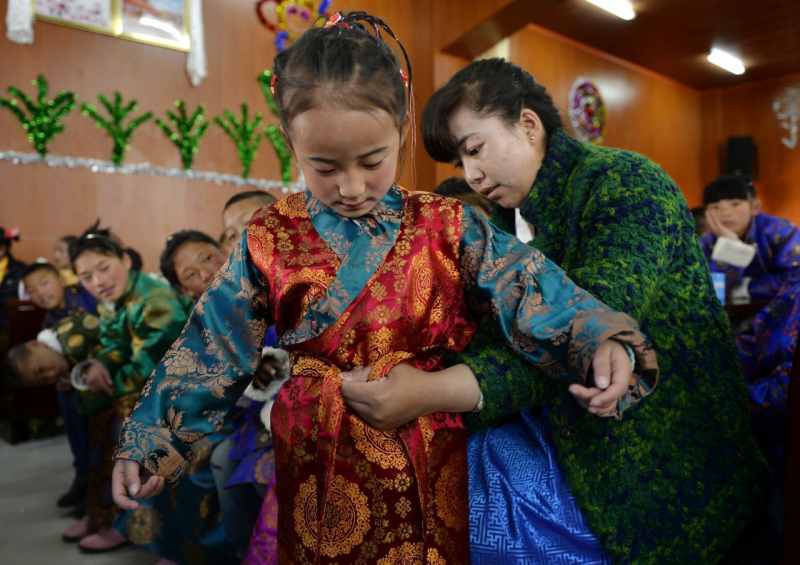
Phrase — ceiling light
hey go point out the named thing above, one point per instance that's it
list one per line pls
(726, 61)
(620, 8)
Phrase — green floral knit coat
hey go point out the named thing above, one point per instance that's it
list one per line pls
(677, 478)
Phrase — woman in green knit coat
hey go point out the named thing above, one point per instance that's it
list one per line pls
(676, 478)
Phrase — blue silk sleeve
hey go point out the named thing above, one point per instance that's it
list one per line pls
(203, 374)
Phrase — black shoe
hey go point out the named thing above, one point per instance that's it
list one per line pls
(74, 496)
(78, 511)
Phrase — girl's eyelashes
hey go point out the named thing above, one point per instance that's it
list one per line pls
(373, 166)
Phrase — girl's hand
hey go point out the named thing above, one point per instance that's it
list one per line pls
(613, 373)
(716, 227)
(126, 484)
(407, 393)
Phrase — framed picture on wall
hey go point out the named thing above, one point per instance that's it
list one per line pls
(158, 22)
(91, 15)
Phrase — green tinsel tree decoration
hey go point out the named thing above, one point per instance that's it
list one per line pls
(273, 132)
(188, 131)
(115, 128)
(44, 118)
(246, 134)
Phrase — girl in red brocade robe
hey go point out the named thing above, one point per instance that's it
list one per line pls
(357, 272)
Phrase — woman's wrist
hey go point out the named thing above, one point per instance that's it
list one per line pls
(456, 390)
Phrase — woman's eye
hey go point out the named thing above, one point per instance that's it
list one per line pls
(325, 171)
(472, 151)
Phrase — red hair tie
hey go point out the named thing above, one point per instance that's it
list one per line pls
(334, 20)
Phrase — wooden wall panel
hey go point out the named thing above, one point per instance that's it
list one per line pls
(47, 203)
(647, 112)
(746, 110)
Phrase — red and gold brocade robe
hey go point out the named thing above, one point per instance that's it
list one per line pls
(376, 291)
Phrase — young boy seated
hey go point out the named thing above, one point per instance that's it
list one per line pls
(48, 291)
(762, 263)
(49, 360)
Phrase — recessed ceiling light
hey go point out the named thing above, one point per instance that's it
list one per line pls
(620, 8)
(725, 60)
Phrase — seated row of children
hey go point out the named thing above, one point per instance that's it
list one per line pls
(100, 340)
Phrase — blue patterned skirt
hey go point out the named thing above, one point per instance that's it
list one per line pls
(520, 507)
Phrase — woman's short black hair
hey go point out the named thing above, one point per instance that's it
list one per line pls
(729, 187)
(458, 188)
(174, 242)
(491, 87)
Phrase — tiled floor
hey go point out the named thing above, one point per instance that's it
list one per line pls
(32, 476)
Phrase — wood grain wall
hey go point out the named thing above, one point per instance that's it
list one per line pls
(647, 112)
(678, 127)
(47, 203)
(746, 110)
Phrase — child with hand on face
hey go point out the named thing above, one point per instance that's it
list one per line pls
(763, 266)
(759, 255)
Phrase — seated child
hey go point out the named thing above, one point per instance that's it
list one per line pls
(48, 291)
(767, 345)
(140, 317)
(49, 360)
(770, 274)
(11, 271)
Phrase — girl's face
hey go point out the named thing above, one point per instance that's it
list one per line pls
(61, 255)
(500, 161)
(348, 157)
(196, 263)
(104, 276)
(734, 214)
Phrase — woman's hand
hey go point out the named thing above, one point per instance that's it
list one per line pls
(613, 373)
(127, 485)
(407, 393)
(98, 379)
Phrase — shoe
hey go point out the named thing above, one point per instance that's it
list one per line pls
(76, 531)
(103, 541)
(74, 496)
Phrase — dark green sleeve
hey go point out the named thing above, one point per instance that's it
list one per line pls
(507, 381)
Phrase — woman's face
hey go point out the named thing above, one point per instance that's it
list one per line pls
(500, 160)
(104, 276)
(348, 157)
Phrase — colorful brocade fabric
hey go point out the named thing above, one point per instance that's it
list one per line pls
(390, 287)
(676, 479)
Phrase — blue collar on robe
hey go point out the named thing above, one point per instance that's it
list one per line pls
(361, 244)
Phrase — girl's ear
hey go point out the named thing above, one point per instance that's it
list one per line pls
(126, 260)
